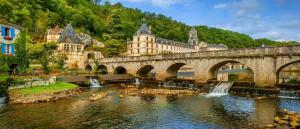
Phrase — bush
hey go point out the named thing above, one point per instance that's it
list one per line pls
(4, 68)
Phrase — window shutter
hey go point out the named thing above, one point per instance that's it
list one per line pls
(3, 48)
(13, 32)
(12, 49)
(3, 31)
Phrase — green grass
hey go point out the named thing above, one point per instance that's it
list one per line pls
(58, 86)
(3, 78)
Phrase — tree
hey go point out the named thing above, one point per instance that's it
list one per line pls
(114, 48)
(43, 52)
(21, 52)
(60, 60)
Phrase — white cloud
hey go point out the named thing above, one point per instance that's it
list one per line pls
(298, 36)
(220, 6)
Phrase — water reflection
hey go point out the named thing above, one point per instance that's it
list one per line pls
(152, 112)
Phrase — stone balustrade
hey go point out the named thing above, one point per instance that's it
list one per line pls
(242, 52)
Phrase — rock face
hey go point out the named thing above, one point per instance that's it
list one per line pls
(40, 98)
(98, 96)
(285, 120)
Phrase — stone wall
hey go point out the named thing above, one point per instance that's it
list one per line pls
(35, 82)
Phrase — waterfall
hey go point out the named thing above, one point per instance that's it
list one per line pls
(289, 94)
(2, 100)
(95, 83)
(137, 81)
(221, 89)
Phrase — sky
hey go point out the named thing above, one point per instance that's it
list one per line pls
(274, 19)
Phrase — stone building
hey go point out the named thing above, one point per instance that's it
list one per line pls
(73, 46)
(146, 43)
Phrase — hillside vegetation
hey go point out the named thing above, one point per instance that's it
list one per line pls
(109, 21)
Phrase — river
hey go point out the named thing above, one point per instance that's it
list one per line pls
(138, 113)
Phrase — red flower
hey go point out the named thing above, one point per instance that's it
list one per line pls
(8, 37)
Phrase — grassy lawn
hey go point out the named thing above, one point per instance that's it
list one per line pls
(59, 86)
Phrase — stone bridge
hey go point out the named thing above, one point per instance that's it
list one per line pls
(265, 63)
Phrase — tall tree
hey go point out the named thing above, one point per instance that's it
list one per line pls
(21, 52)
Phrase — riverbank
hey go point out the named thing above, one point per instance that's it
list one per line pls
(39, 94)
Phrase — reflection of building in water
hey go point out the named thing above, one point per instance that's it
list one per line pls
(290, 73)
(186, 72)
(234, 72)
(145, 43)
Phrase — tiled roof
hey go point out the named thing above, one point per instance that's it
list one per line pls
(55, 31)
(173, 43)
(217, 45)
(6, 23)
(69, 35)
(144, 29)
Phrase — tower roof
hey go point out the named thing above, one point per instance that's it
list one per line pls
(55, 31)
(69, 35)
(144, 28)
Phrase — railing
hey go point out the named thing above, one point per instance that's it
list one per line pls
(244, 52)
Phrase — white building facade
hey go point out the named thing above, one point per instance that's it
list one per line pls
(145, 43)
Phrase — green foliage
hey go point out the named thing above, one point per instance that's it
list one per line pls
(110, 22)
(43, 52)
(60, 61)
(4, 68)
(293, 81)
(21, 52)
(114, 48)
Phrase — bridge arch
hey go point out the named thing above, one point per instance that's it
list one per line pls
(288, 72)
(231, 70)
(174, 69)
(145, 71)
(102, 69)
(120, 70)
(88, 67)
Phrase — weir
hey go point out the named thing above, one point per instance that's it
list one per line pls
(95, 83)
(221, 89)
(289, 94)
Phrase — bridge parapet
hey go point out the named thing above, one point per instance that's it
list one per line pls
(243, 52)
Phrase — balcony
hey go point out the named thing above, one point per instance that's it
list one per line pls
(8, 38)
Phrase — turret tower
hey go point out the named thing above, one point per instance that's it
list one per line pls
(193, 39)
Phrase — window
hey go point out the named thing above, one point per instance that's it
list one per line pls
(146, 38)
(72, 47)
(7, 49)
(138, 45)
(138, 39)
(7, 32)
(138, 50)
(66, 47)
(78, 48)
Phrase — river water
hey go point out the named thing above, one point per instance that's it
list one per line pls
(159, 112)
